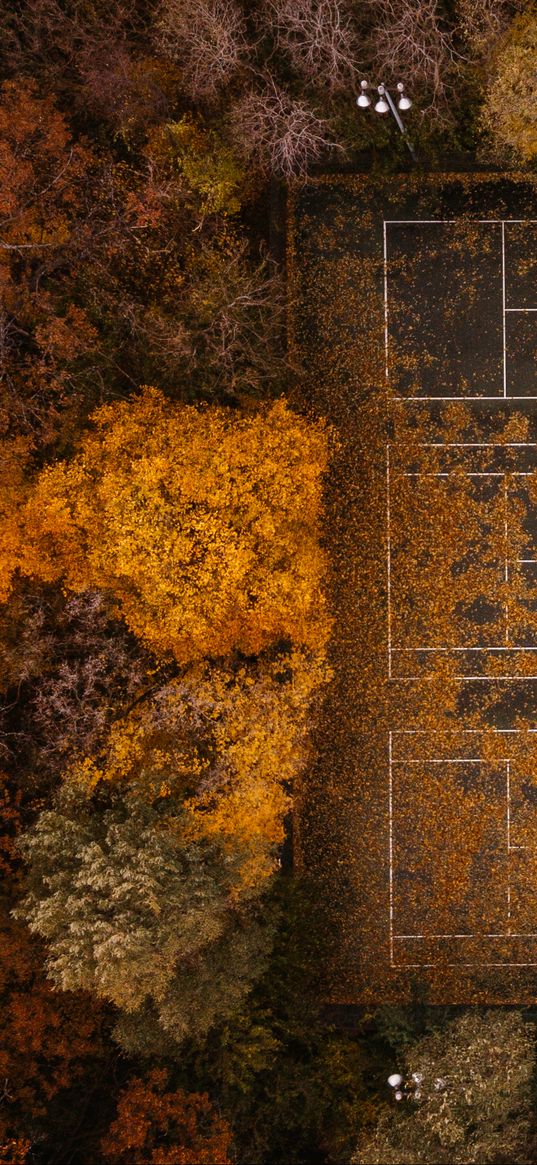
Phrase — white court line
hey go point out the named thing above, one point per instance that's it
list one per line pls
(390, 801)
(387, 370)
(463, 760)
(389, 561)
(506, 552)
(411, 221)
(467, 473)
(427, 966)
(503, 314)
(478, 444)
(510, 934)
(508, 829)
(520, 309)
(458, 731)
(465, 399)
(470, 679)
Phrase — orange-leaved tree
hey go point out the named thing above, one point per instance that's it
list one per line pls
(155, 1126)
(204, 525)
(15, 1151)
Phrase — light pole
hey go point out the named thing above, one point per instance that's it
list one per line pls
(385, 103)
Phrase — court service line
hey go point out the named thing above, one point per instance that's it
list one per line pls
(469, 679)
(458, 731)
(385, 243)
(465, 399)
(503, 314)
(466, 221)
(390, 803)
(478, 444)
(429, 966)
(459, 760)
(508, 831)
(389, 560)
(506, 554)
(467, 473)
(487, 934)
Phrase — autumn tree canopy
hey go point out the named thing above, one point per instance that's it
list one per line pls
(47, 341)
(480, 1110)
(156, 1125)
(47, 1039)
(130, 904)
(509, 109)
(204, 525)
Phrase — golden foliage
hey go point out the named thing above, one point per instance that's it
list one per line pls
(203, 524)
(508, 114)
(227, 744)
(215, 180)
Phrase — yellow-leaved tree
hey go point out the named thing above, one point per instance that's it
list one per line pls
(224, 744)
(202, 523)
(508, 115)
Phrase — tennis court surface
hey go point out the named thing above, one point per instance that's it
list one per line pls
(414, 313)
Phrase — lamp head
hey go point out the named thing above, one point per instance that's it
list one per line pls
(363, 100)
(404, 101)
(381, 106)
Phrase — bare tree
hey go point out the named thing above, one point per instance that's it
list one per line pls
(281, 135)
(207, 38)
(318, 38)
(226, 332)
(96, 668)
(53, 35)
(409, 40)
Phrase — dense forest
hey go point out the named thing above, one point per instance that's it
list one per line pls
(164, 625)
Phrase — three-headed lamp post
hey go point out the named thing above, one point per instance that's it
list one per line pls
(385, 104)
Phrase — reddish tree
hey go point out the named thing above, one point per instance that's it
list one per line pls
(159, 1127)
(44, 341)
(48, 1037)
(14, 1151)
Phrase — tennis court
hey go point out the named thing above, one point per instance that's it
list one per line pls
(415, 313)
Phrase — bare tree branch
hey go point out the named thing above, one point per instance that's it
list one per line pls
(281, 135)
(318, 38)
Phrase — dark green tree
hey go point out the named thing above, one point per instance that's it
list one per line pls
(137, 912)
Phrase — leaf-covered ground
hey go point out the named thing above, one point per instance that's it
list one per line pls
(440, 842)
